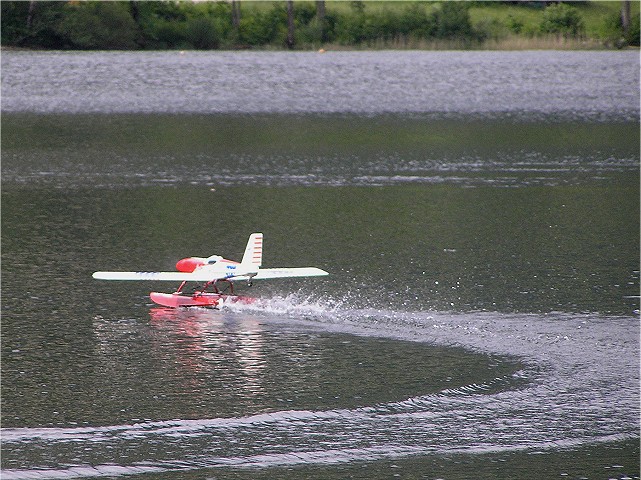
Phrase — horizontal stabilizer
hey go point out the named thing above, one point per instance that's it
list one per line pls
(267, 273)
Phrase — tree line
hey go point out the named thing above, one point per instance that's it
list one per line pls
(152, 25)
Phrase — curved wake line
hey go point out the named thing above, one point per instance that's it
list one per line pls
(323, 457)
(178, 427)
(578, 385)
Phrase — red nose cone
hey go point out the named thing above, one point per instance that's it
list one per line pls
(188, 265)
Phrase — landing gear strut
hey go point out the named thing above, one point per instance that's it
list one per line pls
(213, 283)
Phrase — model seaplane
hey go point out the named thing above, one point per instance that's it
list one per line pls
(213, 272)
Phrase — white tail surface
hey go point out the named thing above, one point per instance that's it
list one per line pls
(253, 256)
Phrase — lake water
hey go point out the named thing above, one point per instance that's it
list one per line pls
(576, 84)
(478, 213)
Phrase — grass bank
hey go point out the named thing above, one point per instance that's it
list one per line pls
(507, 43)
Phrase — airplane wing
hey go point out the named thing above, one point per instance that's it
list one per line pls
(158, 276)
(204, 276)
(267, 273)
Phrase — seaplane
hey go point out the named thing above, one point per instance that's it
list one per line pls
(213, 273)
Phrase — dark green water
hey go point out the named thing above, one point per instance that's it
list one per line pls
(472, 294)
(569, 249)
(480, 319)
(63, 150)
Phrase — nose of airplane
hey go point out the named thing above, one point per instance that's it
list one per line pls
(189, 264)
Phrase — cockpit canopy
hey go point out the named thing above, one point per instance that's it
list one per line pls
(213, 259)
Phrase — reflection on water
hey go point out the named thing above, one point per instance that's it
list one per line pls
(212, 343)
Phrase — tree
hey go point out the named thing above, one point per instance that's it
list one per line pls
(263, 27)
(290, 24)
(320, 16)
(202, 34)
(32, 24)
(453, 20)
(633, 35)
(99, 25)
(235, 17)
(625, 16)
(32, 8)
(14, 24)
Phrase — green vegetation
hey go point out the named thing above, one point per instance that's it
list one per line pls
(141, 25)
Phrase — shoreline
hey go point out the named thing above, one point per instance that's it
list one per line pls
(508, 44)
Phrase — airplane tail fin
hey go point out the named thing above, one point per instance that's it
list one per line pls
(253, 256)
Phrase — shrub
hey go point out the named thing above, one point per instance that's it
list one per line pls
(562, 19)
(99, 25)
(262, 28)
(453, 20)
(350, 29)
(312, 32)
(44, 29)
(166, 34)
(201, 33)
(304, 12)
(380, 26)
(515, 24)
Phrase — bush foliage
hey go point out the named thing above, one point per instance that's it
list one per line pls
(209, 25)
(562, 19)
